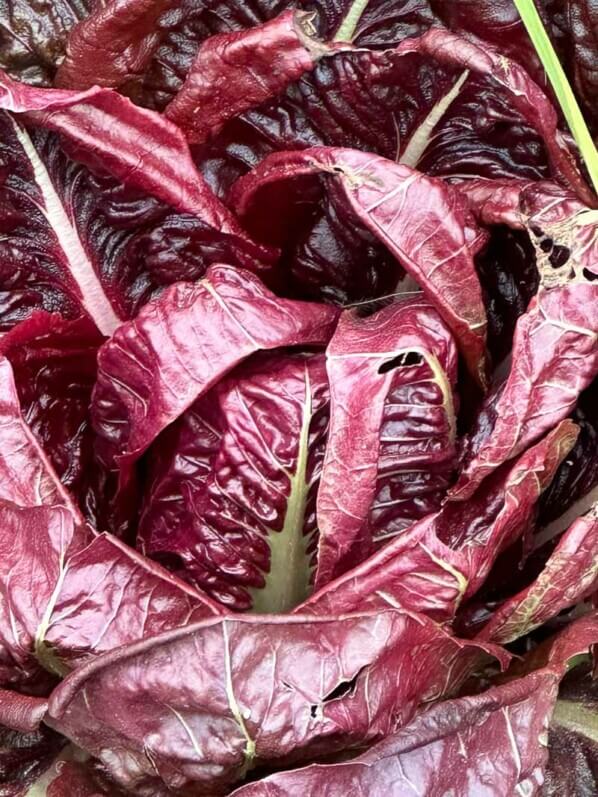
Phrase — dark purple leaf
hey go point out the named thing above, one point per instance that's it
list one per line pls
(33, 36)
(58, 221)
(205, 704)
(233, 489)
(391, 446)
(573, 750)
(181, 344)
(248, 68)
(24, 758)
(421, 220)
(575, 29)
(445, 557)
(443, 103)
(28, 478)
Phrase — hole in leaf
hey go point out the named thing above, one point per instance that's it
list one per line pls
(546, 244)
(589, 275)
(343, 689)
(404, 360)
(559, 256)
(537, 232)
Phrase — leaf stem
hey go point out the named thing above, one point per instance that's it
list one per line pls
(556, 74)
(347, 27)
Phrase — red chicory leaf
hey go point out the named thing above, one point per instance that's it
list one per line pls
(446, 556)
(33, 36)
(488, 744)
(28, 478)
(237, 71)
(181, 344)
(113, 46)
(392, 420)
(91, 594)
(59, 220)
(230, 503)
(421, 220)
(205, 704)
(554, 358)
(525, 96)
(569, 576)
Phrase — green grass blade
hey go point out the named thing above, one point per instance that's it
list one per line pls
(537, 33)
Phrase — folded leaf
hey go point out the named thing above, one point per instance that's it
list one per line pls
(233, 488)
(442, 102)
(490, 743)
(145, 48)
(205, 704)
(525, 96)
(486, 744)
(554, 358)
(90, 596)
(114, 45)
(569, 576)
(181, 344)
(248, 68)
(443, 558)
(391, 445)
(62, 245)
(421, 220)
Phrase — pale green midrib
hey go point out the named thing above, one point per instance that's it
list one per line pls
(422, 136)
(576, 717)
(346, 29)
(43, 653)
(556, 74)
(249, 752)
(288, 579)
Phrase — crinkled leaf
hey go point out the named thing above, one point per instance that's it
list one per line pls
(575, 29)
(248, 68)
(421, 220)
(554, 358)
(54, 368)
(391, 446)
(76, 242)
(445, 557)
(114, 45)
(206, 703)
(489, 744)
(146, 47)
(28, 478)
(33, 36)
(569, 576)
(233, 489)
(573, 738)
(89, 595)
(181, 344)
(442, 102)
